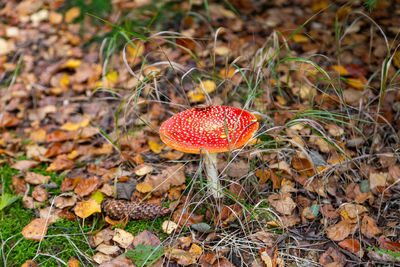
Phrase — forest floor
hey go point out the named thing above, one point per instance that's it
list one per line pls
(85, 86)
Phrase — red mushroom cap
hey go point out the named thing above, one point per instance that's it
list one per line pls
(205, 128)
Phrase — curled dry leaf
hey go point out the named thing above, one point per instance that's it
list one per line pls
(339, 231)
(86, 208)
(35, 230)
(169, 227)
(108, 249)
(329, 212)
(352, 212)
(284, 204)
(377, 180)
(59, 148)
(143, 169)
(228, 214)
(369, 228)
(36, 178)
(61, 163)
(269, 256)
(69, 183)
(87, 186)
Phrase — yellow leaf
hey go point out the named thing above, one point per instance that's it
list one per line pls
(64, 81)
(396, 59)
(209, 86)
(70, 126)
(112, 76)
(72, 14)
(155, 147)
(144, 188)
(73, 154)
(357, 83)
(227, 73)
(72, 63)
(98, 196)
(195, 96)
(300, 38)
(86, 208)
(341, 70)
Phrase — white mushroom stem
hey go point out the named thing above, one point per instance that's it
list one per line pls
(212, 175)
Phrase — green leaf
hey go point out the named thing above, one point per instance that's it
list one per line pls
(145, 255)
(6, 200)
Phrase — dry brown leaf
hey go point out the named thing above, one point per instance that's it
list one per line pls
(59, 148)
(172, 155)
(329, 212)
(181, 256)
(143, 169)
(185, 217)
(210, 259)
(36, 178)
(377, 180)
(86, 186)
(303, 166)
(369, 228)
(24, 165)
(8, 120)
(123, 238)
(61, 163)
(49, 214)
(103, 259)
(394, 174)
(146, 238)
(66, 201)
(108, 249)
(228, 214)
(59, 136)
(169, 227)
(171, 176)
(238, 169)
(269, 256)
(338, 231)
(155, 146)
(86, 208)
(284, 204)
(352, 211)
(35, 230)
(39, 194)
(19, 185)
(69, 183)
(332, 257)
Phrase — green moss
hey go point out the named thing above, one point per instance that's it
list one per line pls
(63, 242)
(136, 227)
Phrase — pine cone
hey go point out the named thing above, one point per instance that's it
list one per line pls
(119, 209)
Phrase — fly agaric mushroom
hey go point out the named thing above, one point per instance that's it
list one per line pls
(213, 129)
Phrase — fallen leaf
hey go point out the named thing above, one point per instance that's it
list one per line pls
(103, 236)
(59, 136)
(36, 178)
(186, 217)
(84, 209)
(59, 148)
(72, 14)
(143, 169)
(303, 166)
(172, 155)
(73, 262)
(19, 185)
(144, 188)
(146, 238)
(269, 256)
(350, 244)
(86, 186)
(24, 165)
(74, 126)
(377, 180)
(69, 183)
(61, 163)
(359, 83)
(108, 249)
(171, 176)
(338, 231)
(228, 214)
(284, 204)
(210, 259)
(369, 228)
(65, 201)
(39, 194)
(352, 211)
(329, 212)
(36, 230)
(7, 120)
(332, 257)
(155, 146)
(29, 263)
(123, 238)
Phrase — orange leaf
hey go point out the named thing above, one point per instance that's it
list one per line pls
(35, 230)
(61, 163)
(338, 231)
(350, 244)
(87, 186)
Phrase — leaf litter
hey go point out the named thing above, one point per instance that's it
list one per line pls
(325, 166)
